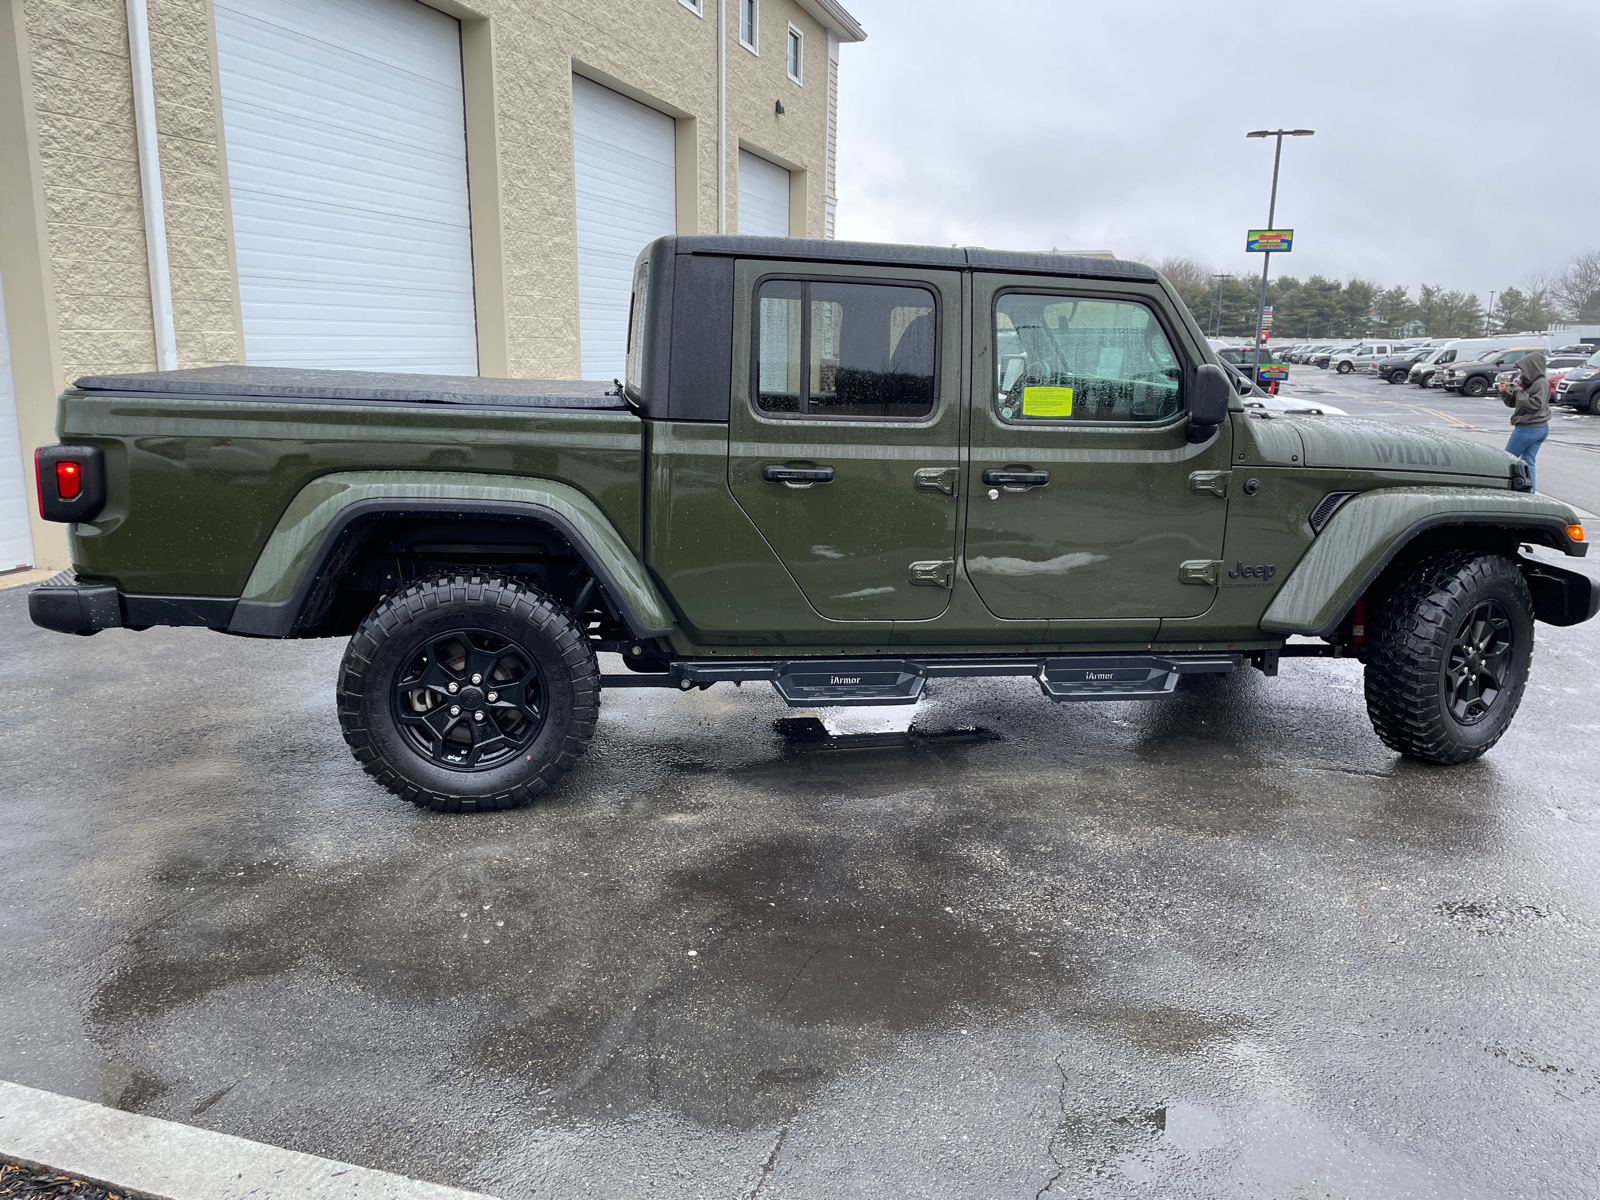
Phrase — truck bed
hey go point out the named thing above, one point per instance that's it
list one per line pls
(322, 387)
(202, 464)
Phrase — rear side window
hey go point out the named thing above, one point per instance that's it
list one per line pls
(1067, 358)
(637, 312)
(845, 350)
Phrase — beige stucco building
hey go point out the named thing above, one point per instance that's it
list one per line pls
(388, 184)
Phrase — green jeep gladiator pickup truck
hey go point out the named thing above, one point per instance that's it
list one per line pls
(844, 469)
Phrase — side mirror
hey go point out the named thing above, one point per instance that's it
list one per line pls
(1208, 407)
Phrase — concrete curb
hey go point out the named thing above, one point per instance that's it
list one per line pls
(163, 1160)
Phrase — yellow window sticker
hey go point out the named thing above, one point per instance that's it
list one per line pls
(1046, 402)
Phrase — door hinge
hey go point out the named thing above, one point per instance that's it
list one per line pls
(938, 479)
(1203, 572)
(1214, 482)
(933, 573)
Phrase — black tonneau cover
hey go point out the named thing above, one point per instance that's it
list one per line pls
(299, 384)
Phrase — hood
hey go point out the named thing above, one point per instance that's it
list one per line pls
(1531, 364)
(1380, 446)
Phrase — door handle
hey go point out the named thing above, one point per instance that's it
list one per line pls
(1000, 478)
(773, 473)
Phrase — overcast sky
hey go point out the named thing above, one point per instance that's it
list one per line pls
(1456, 142)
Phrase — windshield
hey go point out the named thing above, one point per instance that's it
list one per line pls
(1594, 360)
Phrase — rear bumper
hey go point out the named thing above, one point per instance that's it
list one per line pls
(63, 604)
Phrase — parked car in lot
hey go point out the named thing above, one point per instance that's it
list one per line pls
(1256, 399)
(802, 481)
(1396, 368)
(1243, 359)
(1477, 377)
(1322, 358)
(1580, 387)
(1360, 356)
(1426, 373)
(1557, 366)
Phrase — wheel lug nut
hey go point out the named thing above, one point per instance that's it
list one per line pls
(477, 679)
(478, 716)
(454, 688)
(455, 710)
(493, 696)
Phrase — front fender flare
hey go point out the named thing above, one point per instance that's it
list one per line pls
(1365, 535)
(309, 530)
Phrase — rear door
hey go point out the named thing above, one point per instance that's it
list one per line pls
(845, 431)
(1086, 499)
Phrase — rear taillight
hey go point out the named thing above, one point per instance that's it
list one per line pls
(69, 480)
(72, 482)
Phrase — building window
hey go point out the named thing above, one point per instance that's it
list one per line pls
(693, 6)
(747, 24)
(796, 54)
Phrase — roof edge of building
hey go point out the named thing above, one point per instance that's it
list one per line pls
(833, 16)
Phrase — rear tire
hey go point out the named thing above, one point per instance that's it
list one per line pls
(468, 692)
(1449, 659)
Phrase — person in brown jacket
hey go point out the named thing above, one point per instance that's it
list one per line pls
(1528, 396)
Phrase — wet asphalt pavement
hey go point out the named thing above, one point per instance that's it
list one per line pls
(1220, 945)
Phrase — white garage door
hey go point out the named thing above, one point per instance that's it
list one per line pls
(625, 163)
(763, 197)
(16, 540)
(347, 160)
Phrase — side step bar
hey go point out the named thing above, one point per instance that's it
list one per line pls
(822, 683)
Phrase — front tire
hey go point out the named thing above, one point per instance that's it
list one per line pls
(468, 693)
(1397, 376)
(1345, 368)
(1449, 659)
(1476, 386)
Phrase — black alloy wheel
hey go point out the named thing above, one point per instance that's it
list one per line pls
(1397, 376)
(469, 699)
(1479, 668)
(469, 692)
(1448, 656)
(1474, 385)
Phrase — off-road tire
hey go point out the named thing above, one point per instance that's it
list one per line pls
(504, 607)
(1409, 655)
(1345, 368)
(1474, 386)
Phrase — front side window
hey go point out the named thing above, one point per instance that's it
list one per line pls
(796, 57)
(848, 350)
(747, 23)
(1073, 358)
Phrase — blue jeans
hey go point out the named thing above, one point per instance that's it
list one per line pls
(1525, 442)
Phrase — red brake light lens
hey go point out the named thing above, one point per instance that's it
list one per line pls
(69, 480)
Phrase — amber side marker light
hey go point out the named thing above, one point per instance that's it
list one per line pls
(1575, 532)
(69, 480)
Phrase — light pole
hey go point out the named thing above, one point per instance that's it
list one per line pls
(1488, 314)
(1216, 306)
(1272, 214)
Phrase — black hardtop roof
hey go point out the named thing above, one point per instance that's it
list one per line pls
(891, 254)
(297, 383)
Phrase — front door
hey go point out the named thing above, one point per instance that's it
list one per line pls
(845, 432)
(1085, 498)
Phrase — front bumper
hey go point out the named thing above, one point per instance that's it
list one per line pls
(1579, 393)
(63, 604)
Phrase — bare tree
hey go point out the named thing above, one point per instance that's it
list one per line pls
(1182, 271)
(1576, 291)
